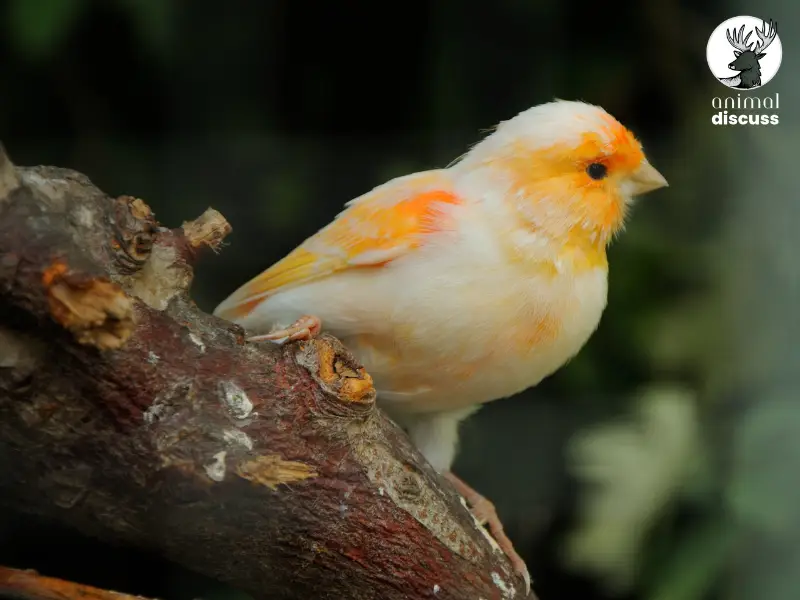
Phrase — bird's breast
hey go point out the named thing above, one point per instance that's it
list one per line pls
(458, 323)
(468, 341)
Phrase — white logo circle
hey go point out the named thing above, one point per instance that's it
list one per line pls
(745, 52)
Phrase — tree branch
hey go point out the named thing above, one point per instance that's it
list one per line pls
(129, 414)
(29, 585)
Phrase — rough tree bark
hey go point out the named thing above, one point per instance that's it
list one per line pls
(131, 415)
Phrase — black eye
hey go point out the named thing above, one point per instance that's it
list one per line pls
(597, 170)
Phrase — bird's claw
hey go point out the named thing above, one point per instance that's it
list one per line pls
(305, 328)
(485, 513)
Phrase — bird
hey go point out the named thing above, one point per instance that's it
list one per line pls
(462, 285)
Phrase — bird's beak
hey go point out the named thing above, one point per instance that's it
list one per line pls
(646, 179)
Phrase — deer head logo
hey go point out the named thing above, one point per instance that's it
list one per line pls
(747, 55)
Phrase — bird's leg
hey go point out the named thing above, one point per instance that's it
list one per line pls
(305, 328)
(486, 514)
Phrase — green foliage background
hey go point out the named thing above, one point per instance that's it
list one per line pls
(660, 464)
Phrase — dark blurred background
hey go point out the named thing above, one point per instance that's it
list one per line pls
(658, 465)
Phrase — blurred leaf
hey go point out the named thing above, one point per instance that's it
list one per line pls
(37, 27)
(763, 491)
(633, 470)
(694, 566)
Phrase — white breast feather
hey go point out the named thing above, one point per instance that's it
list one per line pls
(445, 305)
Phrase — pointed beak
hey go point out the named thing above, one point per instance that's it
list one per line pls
(646, 179)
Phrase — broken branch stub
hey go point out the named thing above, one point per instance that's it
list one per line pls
(129, 414)
(8, 175)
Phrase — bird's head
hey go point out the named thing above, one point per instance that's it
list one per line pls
(568, 168)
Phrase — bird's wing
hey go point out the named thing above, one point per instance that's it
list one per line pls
(373, 230)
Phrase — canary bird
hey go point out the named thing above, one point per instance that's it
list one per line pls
(462, 285)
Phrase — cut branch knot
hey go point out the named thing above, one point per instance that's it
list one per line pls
(337, 372)
(96, 311)
(135, 227)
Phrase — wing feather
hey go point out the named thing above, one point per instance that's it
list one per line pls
(373, 230)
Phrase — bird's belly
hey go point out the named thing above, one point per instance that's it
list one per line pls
(445, 331)
(480, 344)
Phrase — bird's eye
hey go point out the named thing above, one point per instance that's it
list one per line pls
(597, 171)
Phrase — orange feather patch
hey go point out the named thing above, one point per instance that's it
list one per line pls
(372, 231)
(559, 173)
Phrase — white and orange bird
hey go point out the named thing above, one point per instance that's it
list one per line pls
(458, 286)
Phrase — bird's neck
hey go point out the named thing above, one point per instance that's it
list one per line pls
(552, 218)
(557, 205)
(579, 229)
(547, 244)
(572, 219)
(581, 245)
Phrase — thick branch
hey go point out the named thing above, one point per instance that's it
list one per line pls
(129, 414)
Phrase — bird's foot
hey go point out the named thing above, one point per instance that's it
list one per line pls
(305, 328)
(486, 514)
